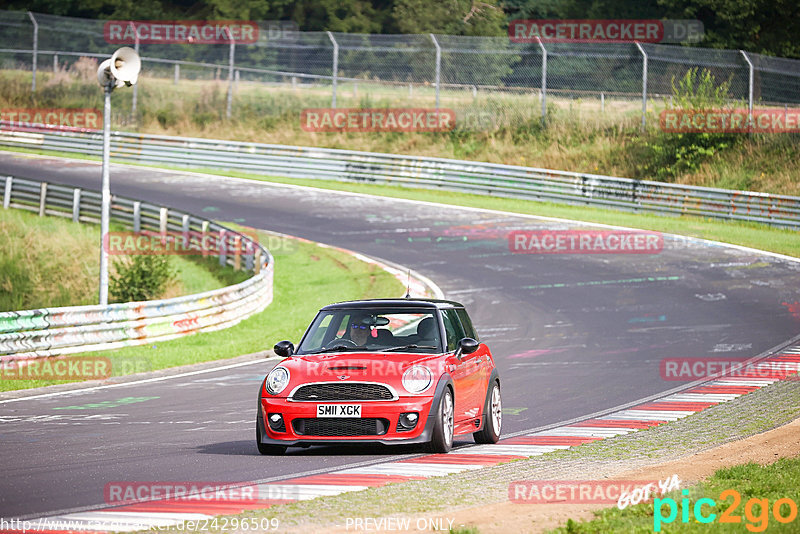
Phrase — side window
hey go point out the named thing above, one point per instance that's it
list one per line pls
(316, 340)
(453, 329)
(469, 330)
(344, 322)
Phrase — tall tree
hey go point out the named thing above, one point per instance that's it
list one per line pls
(764, 26)
(455, 17)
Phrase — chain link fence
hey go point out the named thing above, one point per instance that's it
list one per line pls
(486, 81)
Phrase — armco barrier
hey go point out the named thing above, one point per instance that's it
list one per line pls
(55, 331)
(434, 173)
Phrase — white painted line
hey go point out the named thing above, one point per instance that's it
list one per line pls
(522, 450)
(302, 492)
(585, 432)
(410, 469)
(649, 415)
(701, 397)
(754, 382)
(144, 381)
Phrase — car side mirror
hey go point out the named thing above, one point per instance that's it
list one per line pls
(466, 346)
(284, 348)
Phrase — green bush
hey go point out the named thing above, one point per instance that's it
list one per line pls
(142, 278)
(666, 155)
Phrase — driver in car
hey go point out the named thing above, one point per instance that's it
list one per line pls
(360, 330)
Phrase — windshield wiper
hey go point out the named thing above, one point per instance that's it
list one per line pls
(405, 347)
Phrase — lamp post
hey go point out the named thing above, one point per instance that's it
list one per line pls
(122, 68)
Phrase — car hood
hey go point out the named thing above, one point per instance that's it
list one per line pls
(370, 366)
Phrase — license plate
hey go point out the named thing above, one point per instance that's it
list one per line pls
(338, 410)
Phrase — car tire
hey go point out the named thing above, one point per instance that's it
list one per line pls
(492, 416)
(442, 439)
(263, 448)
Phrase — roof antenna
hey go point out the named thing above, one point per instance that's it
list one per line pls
(408, 285)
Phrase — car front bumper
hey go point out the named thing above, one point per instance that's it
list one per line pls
(389, 410)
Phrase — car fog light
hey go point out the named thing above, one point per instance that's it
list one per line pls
(276, 422)
(407, 421)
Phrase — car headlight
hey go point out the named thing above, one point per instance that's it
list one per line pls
(417, 379)
(277, 380)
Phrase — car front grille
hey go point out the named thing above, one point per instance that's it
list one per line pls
(340, 426)
(342, 392)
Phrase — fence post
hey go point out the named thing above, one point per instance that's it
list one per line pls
(237, 253)
(42, 199)
(135, 96)
(177, 73)
(7, 192)
(35, 49)
(203, 235)
(544, 80)
(749, 88)
(438, 67)
(185, 230)
(163, 214)
(644, 84)
(137, 216)
(223, 248)
(55, 62)
(76, 205)
(335, 69)
(248, 258)
(230, 74)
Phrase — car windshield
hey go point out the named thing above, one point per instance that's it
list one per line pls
(374, 330)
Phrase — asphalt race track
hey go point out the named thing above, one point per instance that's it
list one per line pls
(572, 334)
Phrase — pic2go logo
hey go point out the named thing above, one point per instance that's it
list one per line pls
(756, 511)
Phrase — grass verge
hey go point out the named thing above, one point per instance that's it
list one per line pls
(307, 277)
(752, 507)
(48, 262)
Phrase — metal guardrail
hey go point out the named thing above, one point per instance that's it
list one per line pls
(492, 179)
(56, 331)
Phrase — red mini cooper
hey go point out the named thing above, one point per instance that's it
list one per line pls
(382, 371)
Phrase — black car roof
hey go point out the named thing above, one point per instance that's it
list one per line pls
(394, 303)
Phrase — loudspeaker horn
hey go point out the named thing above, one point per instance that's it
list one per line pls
(125, 65)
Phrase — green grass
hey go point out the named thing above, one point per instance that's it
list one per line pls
(751, 481)
(47, 262)
(307, 277)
